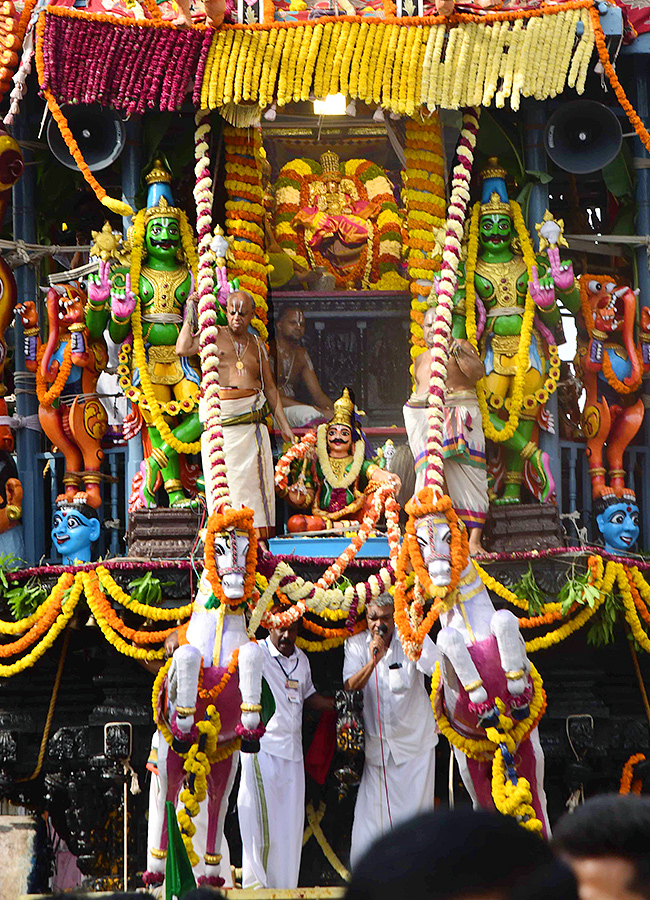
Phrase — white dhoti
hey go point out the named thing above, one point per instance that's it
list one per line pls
(411, 787)
(301, 414)
(271, 808)
(463, 452)
(249, 461)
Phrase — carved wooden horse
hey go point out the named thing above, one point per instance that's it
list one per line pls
(215, 631)
(483, 658)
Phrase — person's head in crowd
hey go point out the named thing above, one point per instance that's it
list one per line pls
(473, 855)
(606, 841)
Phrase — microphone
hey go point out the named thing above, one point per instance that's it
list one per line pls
(382, 630)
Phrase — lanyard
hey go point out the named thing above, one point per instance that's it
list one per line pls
(286, 674)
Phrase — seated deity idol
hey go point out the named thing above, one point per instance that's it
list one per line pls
(335, 483)
(328, 220)
(337, 222)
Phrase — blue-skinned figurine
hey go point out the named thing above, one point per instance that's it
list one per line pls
(617, 517)
(75, 527)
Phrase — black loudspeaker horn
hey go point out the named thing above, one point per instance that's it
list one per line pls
(583, 136)
(99, 132)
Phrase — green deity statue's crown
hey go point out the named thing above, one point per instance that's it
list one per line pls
(496, 206)
(162, 210)
(159, 194)
(493, 180)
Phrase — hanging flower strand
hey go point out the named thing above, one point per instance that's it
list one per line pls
(443, 293)
(216, 482)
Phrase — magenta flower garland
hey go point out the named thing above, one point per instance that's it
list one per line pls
(130, 67)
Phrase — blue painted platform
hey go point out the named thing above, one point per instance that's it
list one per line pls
(326, 547)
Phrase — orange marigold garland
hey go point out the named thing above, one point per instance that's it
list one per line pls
(245, 217)
(47, 397)
(627, 785)
(424, 198)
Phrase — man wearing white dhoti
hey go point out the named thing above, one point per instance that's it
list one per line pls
(246, 384)
(271, 800)
(400, 732)
(464, 442)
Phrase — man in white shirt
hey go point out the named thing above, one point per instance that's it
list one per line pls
(271, 800)
(400, 733)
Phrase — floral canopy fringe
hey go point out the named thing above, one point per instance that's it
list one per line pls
(399, 64)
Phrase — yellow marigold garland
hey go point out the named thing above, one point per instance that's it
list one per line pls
(423, 194)
(113, 589)
(75, 584)
(245, 218)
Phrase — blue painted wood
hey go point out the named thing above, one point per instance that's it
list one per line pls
(28, 442)
(327, 547)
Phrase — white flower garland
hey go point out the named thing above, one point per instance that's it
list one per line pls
(442, 293)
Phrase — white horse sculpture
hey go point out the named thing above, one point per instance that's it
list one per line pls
(483, 657)
(214, 633)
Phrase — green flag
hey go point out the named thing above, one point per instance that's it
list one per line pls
(179, 877)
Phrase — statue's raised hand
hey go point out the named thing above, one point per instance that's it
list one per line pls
(28, 314)
(222, 287)
(123, 301)
(99, 284)
(562, 272)
(542, 290)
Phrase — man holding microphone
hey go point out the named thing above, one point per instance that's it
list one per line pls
(400, 729)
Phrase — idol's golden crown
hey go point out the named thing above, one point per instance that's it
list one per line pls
(496, 206)
(163, 210)
(343, 410)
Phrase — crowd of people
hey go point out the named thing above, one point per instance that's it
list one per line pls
(401, 847)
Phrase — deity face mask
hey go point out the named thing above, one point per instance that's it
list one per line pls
(162, 239)
(434, 539)
(339, 437)
(73, 534)
(495, 232)
(619, 526)
(230, 550)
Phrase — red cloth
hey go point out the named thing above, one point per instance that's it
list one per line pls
(322, 748)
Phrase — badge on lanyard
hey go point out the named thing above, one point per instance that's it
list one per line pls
(292, 685)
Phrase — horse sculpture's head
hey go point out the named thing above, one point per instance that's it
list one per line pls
(230, 551)
(433, 535)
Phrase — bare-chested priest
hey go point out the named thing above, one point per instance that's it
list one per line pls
(292, 365)
(248, 393)
(464, 442)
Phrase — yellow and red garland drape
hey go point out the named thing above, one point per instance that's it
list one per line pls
(423, 193)
(245, 217)
(29, 638)
(378, 264)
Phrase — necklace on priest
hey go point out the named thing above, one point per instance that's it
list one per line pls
(239, 365)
